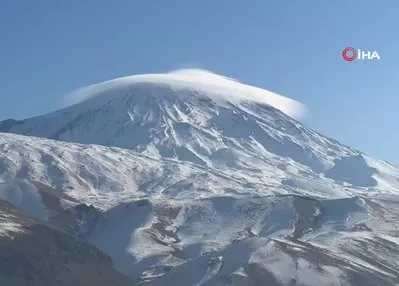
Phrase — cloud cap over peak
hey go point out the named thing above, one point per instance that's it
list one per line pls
(198, 79)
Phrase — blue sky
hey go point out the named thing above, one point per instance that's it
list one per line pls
(51, 47)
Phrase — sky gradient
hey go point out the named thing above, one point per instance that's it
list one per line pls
(49, 48)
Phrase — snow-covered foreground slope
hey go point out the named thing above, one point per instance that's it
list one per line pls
(168, 222)
(278, 240)
(105, 176)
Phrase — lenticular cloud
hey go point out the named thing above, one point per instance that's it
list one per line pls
(217, 86)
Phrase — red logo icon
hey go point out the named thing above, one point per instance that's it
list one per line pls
(349, 54)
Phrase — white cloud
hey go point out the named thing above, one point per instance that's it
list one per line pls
(218, 86)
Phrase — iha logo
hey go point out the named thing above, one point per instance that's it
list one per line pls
(350, 54)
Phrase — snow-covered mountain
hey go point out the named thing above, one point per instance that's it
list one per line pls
(222, 123)
(205, 181)
(203, 118)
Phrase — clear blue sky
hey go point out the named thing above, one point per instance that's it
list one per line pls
(50, 47)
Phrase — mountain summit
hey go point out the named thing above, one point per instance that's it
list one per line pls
(183, 114)
(208, 84)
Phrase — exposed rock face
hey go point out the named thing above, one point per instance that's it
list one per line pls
(34, 253)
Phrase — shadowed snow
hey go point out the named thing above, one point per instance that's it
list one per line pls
(24, 195)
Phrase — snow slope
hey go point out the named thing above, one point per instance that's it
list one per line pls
(164, 218)
(107, 176)
(277, 240)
